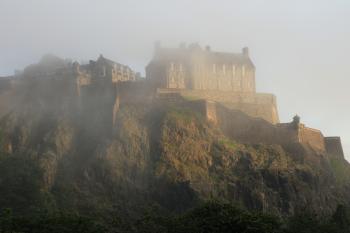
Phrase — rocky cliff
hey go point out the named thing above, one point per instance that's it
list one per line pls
(58, 154)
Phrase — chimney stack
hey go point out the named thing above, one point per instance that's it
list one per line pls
(245, 51)
(182, 45)
(157, 45)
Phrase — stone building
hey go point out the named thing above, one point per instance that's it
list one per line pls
(102, 70)
(201, 69)
(197, 73)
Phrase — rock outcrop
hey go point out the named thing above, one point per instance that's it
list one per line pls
(159, 152)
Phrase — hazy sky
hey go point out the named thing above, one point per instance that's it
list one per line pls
(300, 47)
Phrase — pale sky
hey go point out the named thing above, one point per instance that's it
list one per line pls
(300, 47)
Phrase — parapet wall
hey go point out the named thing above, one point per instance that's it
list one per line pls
(246, 129)
(258, 105)
(312, 137)
(334, 146)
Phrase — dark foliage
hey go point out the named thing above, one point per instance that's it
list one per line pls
(20, 185)
(210, 217)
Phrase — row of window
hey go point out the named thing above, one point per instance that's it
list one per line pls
(172, 66)
(224, 69)
(125, 72)
(214, 69)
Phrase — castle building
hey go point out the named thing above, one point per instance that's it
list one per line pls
(213, 83)
(225, 78)
(104, 70)
(201, 69)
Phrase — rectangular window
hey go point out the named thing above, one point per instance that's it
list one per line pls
(180, 67)
(234, 71)
(172, 66)
(224, 69)
(103, 73)
(243, 71)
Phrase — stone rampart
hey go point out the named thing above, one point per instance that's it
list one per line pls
(241, 127)
(312, 137)
(259, 105)
(334, 147)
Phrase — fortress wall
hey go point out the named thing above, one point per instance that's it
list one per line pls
(134, 91)
(245, 129)
(267, 112)
(258, 105)
(251, 121)
(290, 133)
(287, 133)
(312, 137)
(334, 146)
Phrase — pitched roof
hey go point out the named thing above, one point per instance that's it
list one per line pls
(221, 57)
(102, 59)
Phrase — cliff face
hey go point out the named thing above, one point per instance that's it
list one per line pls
(58, 154)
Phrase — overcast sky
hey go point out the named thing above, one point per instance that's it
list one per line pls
(300, 47)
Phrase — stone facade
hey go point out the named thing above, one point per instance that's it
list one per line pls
(296, 132)
(259, 105)
(102, 70)
(201, 69)
(246, 129)
(334, 147)
(197, 73)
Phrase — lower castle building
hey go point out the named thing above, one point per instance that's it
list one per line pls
(104, 70)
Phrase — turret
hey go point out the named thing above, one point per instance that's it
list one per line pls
(157, 46)
(296, 119)
(296, 122)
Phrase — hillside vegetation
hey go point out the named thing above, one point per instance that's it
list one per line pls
(62, 158)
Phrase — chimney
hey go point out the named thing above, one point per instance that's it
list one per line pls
(245, 51)
(157, 45)
(182, 45)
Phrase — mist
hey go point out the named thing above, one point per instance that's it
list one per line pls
(300, 48)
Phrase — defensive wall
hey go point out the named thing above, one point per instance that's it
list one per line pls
(259, 105)
(243, 128)
(334, 146)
